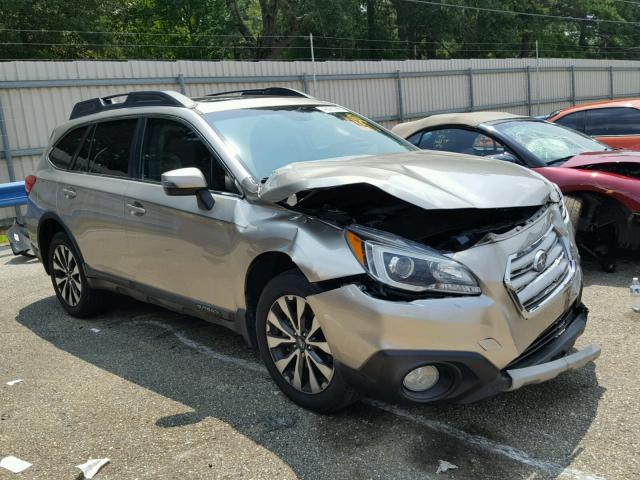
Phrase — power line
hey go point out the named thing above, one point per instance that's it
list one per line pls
(527, 14)
(451, 52)
(152, 34)
(351, 39)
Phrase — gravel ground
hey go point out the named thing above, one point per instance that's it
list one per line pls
(167, 397)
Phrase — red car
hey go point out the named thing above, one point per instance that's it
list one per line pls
(613, 122)
(601, 185)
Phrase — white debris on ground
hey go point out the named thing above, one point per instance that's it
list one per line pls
(92, 466)
(14, 464)
(444, 466)
(13, 382)
(95, 330)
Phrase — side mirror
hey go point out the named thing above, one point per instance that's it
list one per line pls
(188, 181)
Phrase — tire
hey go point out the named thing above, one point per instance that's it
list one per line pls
(574, 205)
(69, 280)
(298, 357)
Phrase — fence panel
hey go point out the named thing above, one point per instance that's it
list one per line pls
(36, 96)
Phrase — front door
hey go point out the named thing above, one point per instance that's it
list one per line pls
(174, 246)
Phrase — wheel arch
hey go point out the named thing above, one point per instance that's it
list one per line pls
(48, 226)
(595, 198)
(261, 270)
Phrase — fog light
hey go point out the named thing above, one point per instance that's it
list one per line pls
(421, 379)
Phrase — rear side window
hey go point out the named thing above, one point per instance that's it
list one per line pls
(574, 121)
(111, 147)
(461, 141)
(62, 154)
(613, 121)
(81, 162)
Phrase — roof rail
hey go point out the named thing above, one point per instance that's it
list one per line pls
(267, 92)
(133, 99)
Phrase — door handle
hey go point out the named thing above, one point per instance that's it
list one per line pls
(69, 192)
(136, 209)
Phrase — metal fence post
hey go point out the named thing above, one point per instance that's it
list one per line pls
(472, 100)
(529, 89)
(183, 89)
(573, 85)
(7, 154)
(305, 83)
(611, 94)
(400, 96)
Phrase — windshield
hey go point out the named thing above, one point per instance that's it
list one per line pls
(269, 138)
(549, 143)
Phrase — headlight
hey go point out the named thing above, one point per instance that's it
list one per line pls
(406, 265)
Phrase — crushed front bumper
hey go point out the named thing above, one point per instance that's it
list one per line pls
(468, 376)
(546, 371)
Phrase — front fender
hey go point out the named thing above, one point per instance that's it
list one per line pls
(623, 189)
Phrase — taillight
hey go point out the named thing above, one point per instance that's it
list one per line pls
(29, 182)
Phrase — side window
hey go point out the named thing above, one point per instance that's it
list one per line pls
(169, 145)
(574, 121)
(62, 154)
(111, 147)
(461, 141)
(415, 138)
(613, 121)
(82, 158)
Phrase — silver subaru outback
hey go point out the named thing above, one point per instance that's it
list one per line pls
(352, 261)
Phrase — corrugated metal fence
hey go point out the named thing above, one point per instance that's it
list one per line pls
(35, 96)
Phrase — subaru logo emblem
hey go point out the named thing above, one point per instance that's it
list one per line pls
(540, 261)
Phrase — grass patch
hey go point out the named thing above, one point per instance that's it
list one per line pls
(3, 239)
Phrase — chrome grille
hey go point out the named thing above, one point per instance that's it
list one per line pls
(533, 282)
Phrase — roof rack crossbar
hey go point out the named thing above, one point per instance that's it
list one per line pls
(133, 99)
(267, 92)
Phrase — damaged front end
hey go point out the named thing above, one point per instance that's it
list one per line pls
(445, 230)
(403, 247)
(430, 205)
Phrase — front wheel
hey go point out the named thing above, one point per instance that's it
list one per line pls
(69, 280)
(294, 349)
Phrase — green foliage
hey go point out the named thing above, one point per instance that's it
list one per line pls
(342, 29)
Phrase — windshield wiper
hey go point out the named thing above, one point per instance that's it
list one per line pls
(560, 160)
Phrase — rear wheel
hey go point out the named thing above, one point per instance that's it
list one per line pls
(69, 280)
(294, 348)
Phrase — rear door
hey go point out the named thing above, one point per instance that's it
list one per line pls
(91, 197)
(174, 246)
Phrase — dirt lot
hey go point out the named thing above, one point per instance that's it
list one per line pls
(168, 397)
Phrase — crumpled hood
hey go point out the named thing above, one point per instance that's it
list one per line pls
(427, 179)
(594, 158)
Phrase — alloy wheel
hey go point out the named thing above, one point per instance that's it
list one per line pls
(66, 274)
(298, 346)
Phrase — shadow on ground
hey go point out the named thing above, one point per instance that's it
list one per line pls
(140, 345)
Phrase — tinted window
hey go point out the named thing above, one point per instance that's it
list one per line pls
(461, 141)
(415, 138)
(573, 120)
(613, 121)
(62, 154)
(82, 158)
(111, 146)
(268, 138)
(169, 145)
